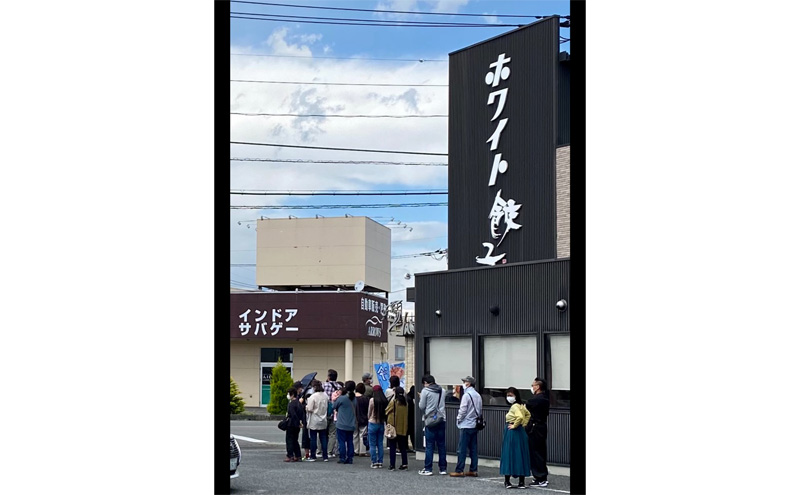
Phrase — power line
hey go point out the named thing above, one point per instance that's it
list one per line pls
(420, 60)
(340, 84)
(380, 24)
(391, 22)
(302, 115)
(338, 193)
(389, 11)
(336, 149)
(343, 162)
(331, 207)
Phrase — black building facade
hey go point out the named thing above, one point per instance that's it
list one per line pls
(493, 314)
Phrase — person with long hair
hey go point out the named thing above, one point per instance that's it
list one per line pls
(411, 397)
(394, 382)
(345, 408)
(397, 416)
(539, 407)
(317, 409)
(514, 457)
(376, 416)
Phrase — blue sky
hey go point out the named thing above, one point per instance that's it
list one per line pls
(306, 52)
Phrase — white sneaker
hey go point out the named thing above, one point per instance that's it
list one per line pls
(425, 473)
(442, 472)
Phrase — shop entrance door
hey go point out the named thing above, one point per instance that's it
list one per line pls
(266, 378)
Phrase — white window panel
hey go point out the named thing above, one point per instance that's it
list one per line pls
(451, 359)
(559, 359)
(509, 362)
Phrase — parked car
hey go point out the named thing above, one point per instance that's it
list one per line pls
(236, 458)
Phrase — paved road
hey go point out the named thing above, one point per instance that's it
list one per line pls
(264, 472)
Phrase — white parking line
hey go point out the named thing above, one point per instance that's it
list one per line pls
(502, 480)
(251, 440)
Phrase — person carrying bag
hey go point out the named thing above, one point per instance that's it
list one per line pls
(397, 429)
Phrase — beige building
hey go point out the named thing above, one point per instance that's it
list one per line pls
(319, 253)
(327, 308)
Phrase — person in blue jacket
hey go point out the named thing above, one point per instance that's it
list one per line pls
(345, 407)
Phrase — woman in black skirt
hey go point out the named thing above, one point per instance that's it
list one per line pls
(514, 458)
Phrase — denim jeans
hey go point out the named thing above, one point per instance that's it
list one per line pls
(468, 439)
(433, 436)
(375, 435)
(323, 439)
(345, 438)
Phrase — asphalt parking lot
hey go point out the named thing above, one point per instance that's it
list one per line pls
(264, 472)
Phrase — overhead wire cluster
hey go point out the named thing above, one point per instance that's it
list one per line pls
(384, 21)
(379, 22)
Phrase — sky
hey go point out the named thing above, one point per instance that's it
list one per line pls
(288, 51)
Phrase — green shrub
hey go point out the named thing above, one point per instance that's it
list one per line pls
(279, 385)
(237, 403)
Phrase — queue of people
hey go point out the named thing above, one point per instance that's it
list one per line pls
(345, 420)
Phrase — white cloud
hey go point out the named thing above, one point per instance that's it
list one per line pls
(277, 41)
(309, 38)
(413, 134)
(447, 5)
(491, 19)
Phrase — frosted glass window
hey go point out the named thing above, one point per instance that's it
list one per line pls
(509, 362)
(559, 352)
(450, 359)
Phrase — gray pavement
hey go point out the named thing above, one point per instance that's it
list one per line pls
(264, 472)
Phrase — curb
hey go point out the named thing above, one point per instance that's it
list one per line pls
(255, 417)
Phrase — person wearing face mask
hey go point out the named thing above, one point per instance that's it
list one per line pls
(366, 379)
(302, 398)
(296, 418)
(514, 457)
(539, 407)
(317, 409)
(471, 408)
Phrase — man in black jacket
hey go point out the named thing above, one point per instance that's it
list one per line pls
(539, 407)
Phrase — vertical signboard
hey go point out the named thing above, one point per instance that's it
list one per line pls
(502, 139)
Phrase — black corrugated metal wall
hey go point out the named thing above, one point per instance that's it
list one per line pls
(526, 294)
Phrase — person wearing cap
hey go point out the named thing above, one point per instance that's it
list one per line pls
(366, 379)
(471, 408)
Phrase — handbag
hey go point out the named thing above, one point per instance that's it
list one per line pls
(480, 423)
(391, 431)
(284, 424)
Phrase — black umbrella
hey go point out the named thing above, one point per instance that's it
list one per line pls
(306, 380)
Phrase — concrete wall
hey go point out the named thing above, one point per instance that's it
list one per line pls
(297, 252)
(562, 201)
